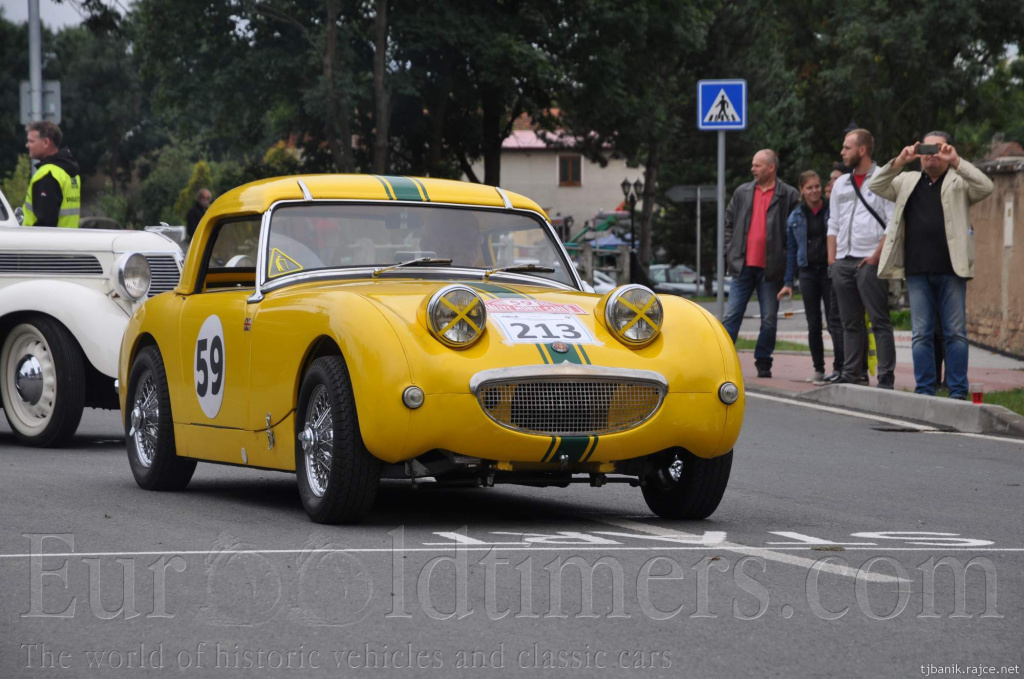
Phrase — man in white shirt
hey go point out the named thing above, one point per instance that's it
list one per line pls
(856, 233)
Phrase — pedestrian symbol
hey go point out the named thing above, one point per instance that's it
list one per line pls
(722, 105)
(723, 111)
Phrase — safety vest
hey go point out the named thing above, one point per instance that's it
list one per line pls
(71, 189)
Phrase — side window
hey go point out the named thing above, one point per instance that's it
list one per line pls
(232, 255)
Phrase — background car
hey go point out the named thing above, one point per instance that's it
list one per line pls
(349, 328)
(603, 282)
(7, 216)
(65, 299)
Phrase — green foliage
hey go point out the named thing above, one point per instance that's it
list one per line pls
(164, 172)
(201, 179)
(15, 182)
(116, 205)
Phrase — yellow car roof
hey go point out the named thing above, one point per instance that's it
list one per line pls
(257, 197)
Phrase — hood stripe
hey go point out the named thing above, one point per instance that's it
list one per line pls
(387, 187)
(405, 188)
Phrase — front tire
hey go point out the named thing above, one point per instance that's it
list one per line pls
(149, 428)
(337, 476)
(43, 373)
(688, 487)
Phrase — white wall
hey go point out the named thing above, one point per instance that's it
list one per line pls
(535, 175)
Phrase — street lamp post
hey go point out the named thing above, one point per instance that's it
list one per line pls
(632, 193)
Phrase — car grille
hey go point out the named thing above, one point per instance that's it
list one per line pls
(570, 407)
(53, 265)
(165, 273)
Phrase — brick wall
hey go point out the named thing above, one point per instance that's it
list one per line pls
(995, 298)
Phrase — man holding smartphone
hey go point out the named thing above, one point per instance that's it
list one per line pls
(931, 242)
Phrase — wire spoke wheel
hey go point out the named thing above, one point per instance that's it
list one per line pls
(318, 441)
(145, 420)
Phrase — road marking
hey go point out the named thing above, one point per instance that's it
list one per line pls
(848, 413)
(760, 552)
(922, 428)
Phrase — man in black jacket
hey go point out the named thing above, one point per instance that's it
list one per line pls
(196, 212)
(755, 251)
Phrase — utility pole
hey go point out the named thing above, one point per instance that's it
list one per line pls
(35, 61)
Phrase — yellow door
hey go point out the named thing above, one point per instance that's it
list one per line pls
(214, 344)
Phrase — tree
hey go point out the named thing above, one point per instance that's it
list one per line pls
(201, 178)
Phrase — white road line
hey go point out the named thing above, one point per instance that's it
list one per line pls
(840, 411)
(923, 428)
(768, 554)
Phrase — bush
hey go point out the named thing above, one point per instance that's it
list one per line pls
(15, 184)
(900, 319)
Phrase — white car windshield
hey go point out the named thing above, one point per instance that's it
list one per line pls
(331, 236)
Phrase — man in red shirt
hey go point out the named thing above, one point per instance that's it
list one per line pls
(755, 251)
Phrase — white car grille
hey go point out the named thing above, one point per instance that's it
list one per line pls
(50, 265)
(165, 273)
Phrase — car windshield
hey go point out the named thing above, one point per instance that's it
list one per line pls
(330, 236)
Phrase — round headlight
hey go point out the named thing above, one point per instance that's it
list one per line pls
(132, 276)
(633, 314)
(456, 316)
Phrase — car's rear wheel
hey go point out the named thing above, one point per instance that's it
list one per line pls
(686, 486)
(149, 428)
(43, 382)
(337, 476)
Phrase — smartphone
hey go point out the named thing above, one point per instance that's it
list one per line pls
(927, 149)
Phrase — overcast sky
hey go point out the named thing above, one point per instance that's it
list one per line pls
(54, 15)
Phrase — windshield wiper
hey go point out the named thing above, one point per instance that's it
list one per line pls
(519, 268)
(411, 262)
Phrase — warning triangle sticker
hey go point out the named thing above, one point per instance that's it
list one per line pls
(281, 263)
(722, 111)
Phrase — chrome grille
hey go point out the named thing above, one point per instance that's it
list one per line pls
(51, 265)
(165, 273)
(570, 407)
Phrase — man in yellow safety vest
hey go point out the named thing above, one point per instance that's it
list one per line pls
(55, 192)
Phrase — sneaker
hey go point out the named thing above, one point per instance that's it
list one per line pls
(817, 378)
(832, 377)
(845, 380)
(764, 372)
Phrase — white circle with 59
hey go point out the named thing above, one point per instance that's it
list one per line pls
(210, 366)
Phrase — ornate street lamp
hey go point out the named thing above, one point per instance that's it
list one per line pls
(632, 193)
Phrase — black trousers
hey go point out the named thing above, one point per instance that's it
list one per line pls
(816, 288)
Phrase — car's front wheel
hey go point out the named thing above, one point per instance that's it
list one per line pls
(685, 486)
(43, 374)
(337, 475)
(149, 427)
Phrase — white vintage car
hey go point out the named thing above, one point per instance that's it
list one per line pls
(65, 299)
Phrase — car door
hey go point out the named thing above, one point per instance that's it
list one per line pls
(214, 344)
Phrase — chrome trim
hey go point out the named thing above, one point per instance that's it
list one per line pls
(562, 371)
(366, 272)
(262, 286)
(721, 395)
(430, 313)
(504, 197)
(306, 195)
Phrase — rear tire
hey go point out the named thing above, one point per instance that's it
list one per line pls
(696, 492)
(149, 427)
(43, 375)
(337, 476)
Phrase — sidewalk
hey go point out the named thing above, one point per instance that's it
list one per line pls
(790, 371)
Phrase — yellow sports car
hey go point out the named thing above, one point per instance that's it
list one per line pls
(349, 328)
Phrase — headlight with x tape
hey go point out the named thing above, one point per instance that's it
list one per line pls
(456, 316)
(633, 314)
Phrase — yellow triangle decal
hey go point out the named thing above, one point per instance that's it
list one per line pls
(280, 263)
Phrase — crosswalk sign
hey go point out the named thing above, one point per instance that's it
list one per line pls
(722, 105)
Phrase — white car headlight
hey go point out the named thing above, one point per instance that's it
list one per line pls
(456, 316)
(131, 276)
(633, 314)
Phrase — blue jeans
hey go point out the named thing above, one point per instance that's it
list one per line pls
(743, 286)
(945, 295)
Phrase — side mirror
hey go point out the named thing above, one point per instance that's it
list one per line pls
(19, 214)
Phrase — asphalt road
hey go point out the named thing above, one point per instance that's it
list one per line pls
(821, 561)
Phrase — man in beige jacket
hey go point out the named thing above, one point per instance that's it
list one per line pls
(931, 242)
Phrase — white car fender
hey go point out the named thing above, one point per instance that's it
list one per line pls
(96, 321)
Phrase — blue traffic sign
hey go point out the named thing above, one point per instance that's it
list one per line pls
(722, 105)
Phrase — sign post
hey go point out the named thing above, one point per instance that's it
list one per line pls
(721, 106)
